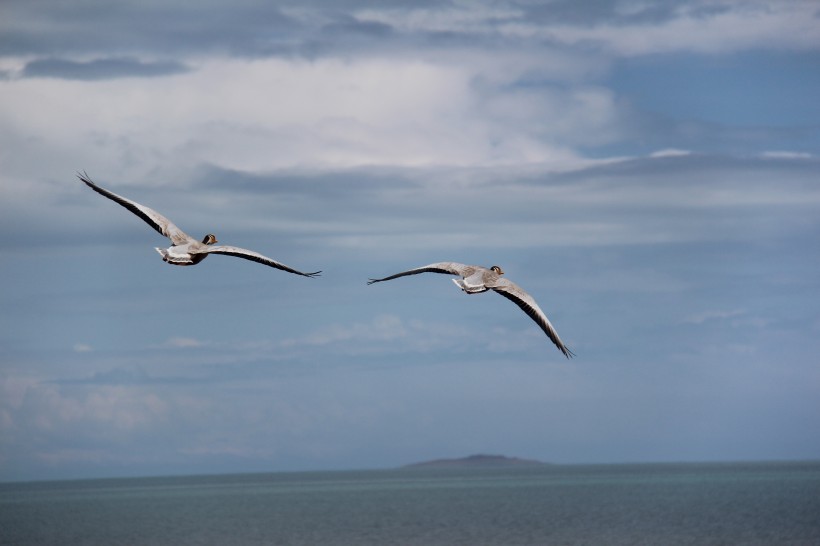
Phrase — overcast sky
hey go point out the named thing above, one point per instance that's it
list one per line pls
(648, 171)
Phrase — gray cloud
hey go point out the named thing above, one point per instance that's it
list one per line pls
(125, 377)
(251, 28)
(617, 12)
(670, 196)
(352, 183)
(348, 25)
(599, 11)
(649, 169)
(101, 69)
(128, 29)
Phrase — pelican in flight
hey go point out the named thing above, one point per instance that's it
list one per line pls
(476, 279)
(185, 250)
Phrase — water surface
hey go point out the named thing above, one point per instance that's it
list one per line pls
(744, 503)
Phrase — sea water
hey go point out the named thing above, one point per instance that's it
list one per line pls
(653, 504)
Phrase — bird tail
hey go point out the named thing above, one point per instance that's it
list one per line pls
(169, 258)
(163, 253)
(469, 289)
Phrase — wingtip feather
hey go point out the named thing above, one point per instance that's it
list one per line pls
(84, 177)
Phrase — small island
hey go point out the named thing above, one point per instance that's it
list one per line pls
(477, 461)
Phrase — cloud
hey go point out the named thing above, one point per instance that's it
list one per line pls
(670, 152)
(716, 315)
(785, 154)
(509, 100)
(679, 197)
(49, 408)
(385, 334)
(71, 456)
(382, 328)
(253, 29)
(128, 377)
(82, 348)
(242, 28)
(182, 343)
(100, 69)
(472, 328)
(729, 28)
(628, 29)
(281, 114)
(14, 389)
(346, 25)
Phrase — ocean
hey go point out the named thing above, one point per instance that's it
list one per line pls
(652, 504)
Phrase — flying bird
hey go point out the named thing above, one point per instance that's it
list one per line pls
(185, 250)
(476, 279)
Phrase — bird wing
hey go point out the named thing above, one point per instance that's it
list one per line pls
(249, 255)
(522, 299)
(154, 219)
(450, 268)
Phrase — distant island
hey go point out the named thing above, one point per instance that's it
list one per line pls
(476, 461)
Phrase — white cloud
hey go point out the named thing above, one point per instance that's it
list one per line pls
(785, 154)
(276, 114)
(83, 348)
(670, 152)
(49, 409)
(382, 328)
(707, 316)
(182, 343)
(394, 335)
(61, 456)
(124, 408)
(385, 334)
(13, 390)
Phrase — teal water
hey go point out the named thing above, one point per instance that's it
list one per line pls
(749, 503)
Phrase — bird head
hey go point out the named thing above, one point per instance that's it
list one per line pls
(210, 239)
(497, 269)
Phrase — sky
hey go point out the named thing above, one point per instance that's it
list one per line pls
(648, 171)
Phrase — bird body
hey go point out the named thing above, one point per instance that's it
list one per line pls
(184, 249)
(186, 254)
(479, 281)
(476, 279)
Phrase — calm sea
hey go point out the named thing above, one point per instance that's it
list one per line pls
(665, 504)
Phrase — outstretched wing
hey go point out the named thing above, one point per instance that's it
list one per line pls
(250, 255)
(517, 295)
(151, 217)
(449, 268)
